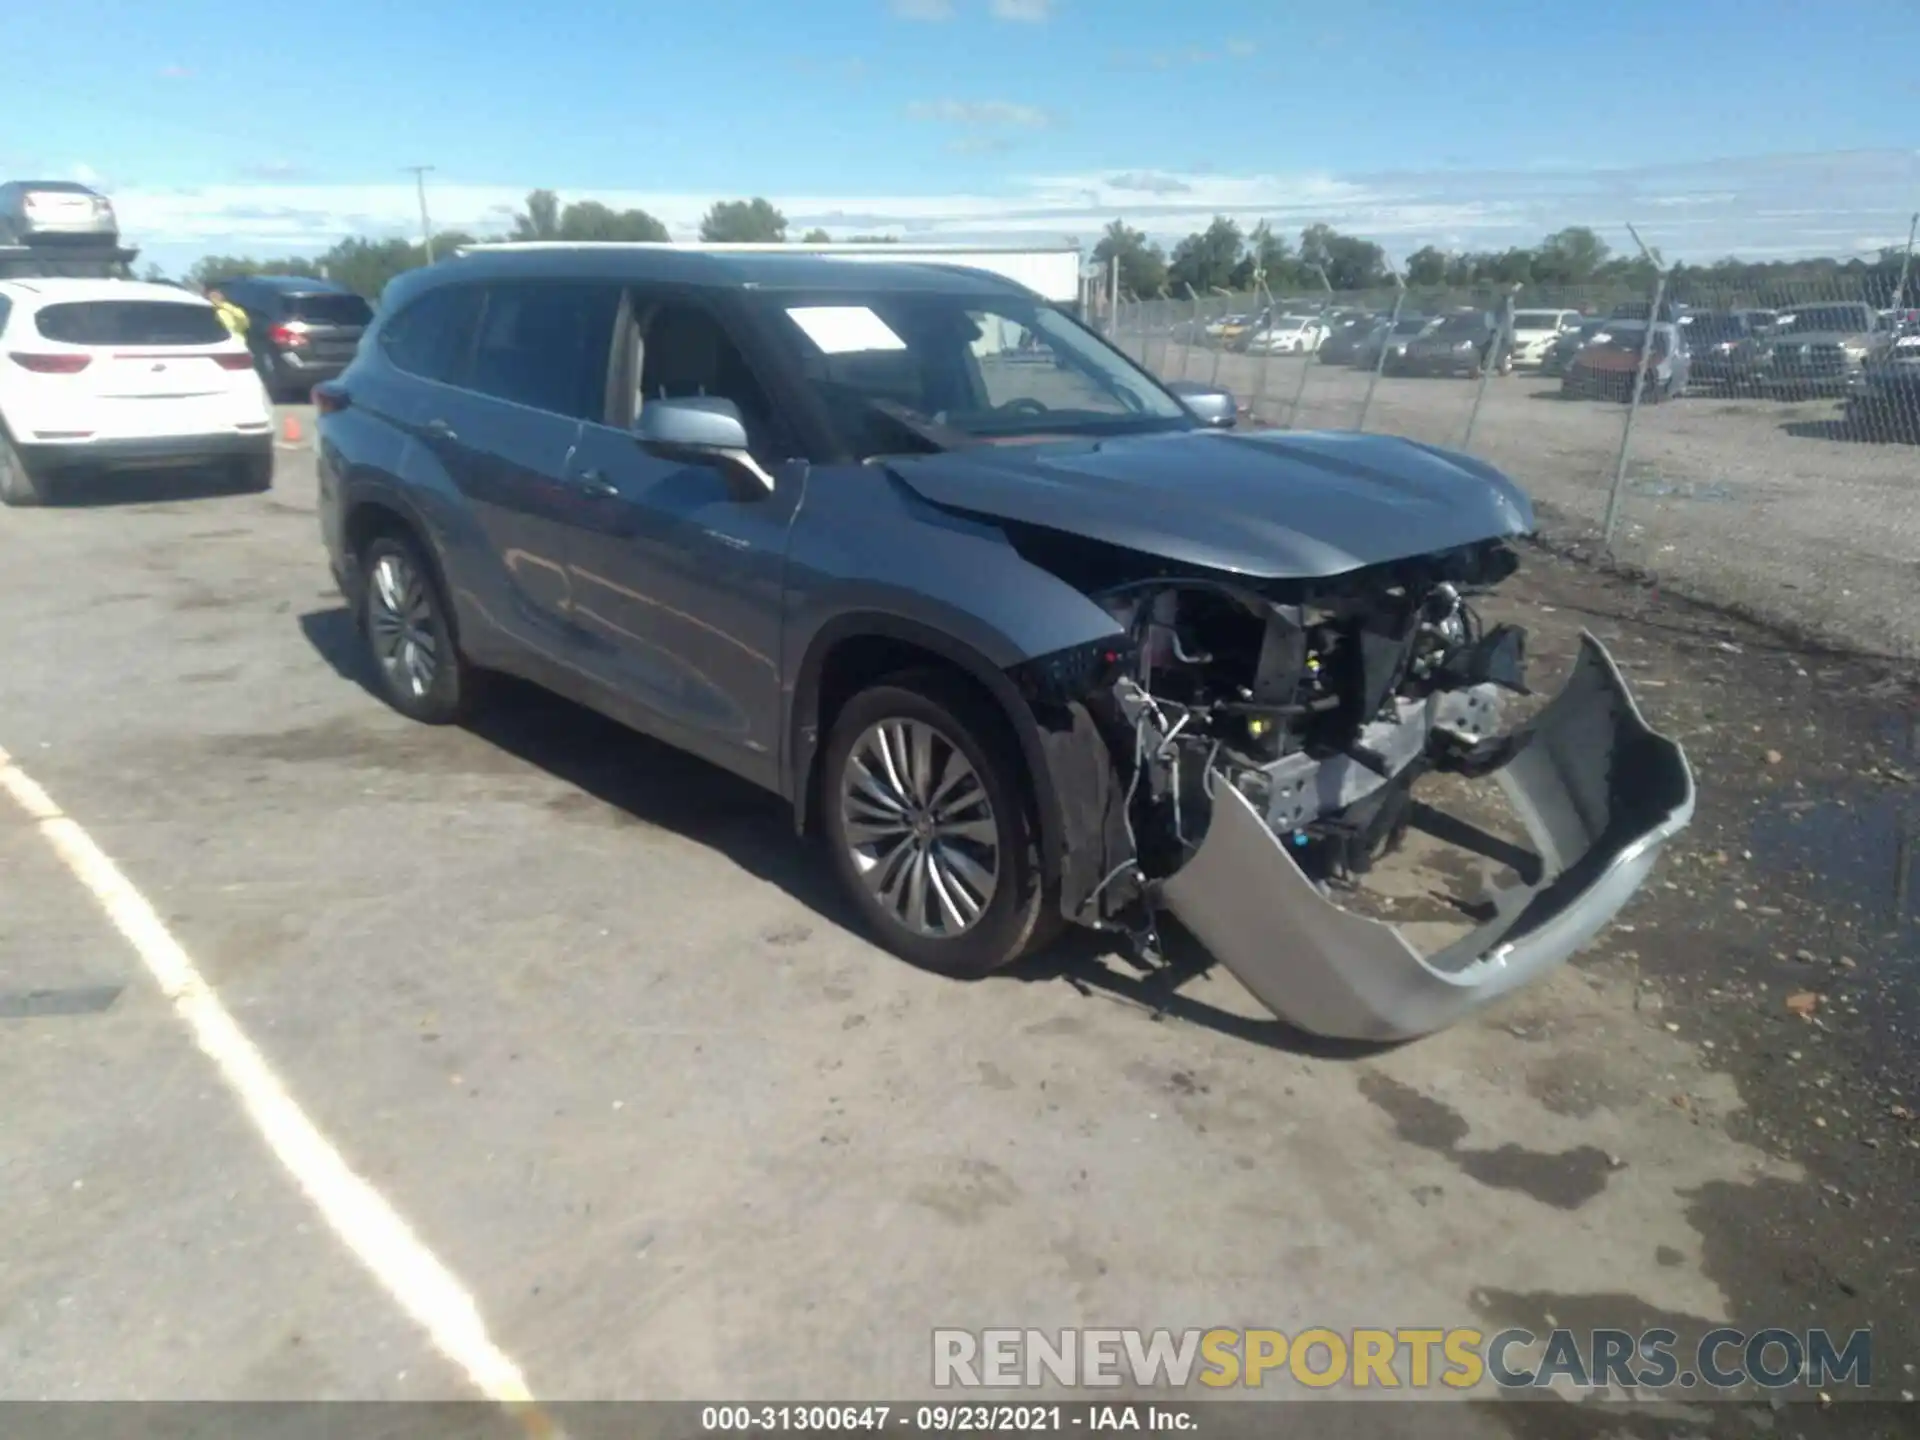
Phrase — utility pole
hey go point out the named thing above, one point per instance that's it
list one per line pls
(1900, 296)
(420, 185)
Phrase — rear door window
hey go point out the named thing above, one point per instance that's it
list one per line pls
(547, 345)
(433, 337)
(329, 309)
(130, 322)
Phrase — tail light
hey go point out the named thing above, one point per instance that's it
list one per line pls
(329, 398)
(242, 361)
(292, 335)
(50, 364)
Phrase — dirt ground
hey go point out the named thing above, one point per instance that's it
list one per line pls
(1770, 506)
(1779, 940)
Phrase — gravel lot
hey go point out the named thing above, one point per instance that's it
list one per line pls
(584, 1012)
(1762, 505)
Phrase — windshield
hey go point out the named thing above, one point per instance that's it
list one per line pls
(1714, 328)
(1463, 325)
(1631, 337)
(904, 371)
(1536, 319)
(330, 309)
(1411, 327)
(1831, 317)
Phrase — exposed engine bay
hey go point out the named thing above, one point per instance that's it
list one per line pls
(1265, 737)
(1319, 702)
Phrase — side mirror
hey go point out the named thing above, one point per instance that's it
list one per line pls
(702, 430)
(1210, 405)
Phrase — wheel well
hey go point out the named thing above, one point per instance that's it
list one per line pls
(369, 520)
(861, 661)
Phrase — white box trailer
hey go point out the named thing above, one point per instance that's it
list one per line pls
(1054, 273)
(1051, 273)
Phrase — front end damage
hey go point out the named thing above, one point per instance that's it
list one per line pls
(1249, 753)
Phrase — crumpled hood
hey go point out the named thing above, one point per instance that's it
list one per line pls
(1276, 505)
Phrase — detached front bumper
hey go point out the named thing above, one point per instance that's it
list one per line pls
(1600, 794)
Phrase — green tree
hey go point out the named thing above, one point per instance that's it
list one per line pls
(1348, 262)
(1143, 265)
(816, 236)
(743, 221)
(1572, 256)
(1269, 260)
(1427, 266)
(590, 220)
(541, 219)
(1206, 259)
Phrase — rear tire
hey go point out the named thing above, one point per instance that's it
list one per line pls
(19, 487)
(926, 812)
(408, 629)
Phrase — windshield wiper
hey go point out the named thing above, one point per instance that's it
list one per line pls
(925, 426)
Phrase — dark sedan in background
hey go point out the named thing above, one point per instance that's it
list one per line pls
(1351, 339)
(1560, 354)
(1461, 344)
(301, 330)
(1728, 351)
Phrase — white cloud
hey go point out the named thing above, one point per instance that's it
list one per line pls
(176, 72)
(981, 112)
(86, 174)
(922, 9)
(1149, 182)
(1757, 207)
(1031, 12)
(274, 170)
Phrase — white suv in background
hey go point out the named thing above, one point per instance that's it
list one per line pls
(116, 375)
(1536, 331)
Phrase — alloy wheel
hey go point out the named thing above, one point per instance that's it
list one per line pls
(401, 623)
(920, 828)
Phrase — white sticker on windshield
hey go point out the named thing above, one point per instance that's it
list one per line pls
(845, 329)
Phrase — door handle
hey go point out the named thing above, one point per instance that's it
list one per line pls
(440, 430)
(596, 484)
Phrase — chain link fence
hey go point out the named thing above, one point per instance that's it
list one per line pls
(1768, 459)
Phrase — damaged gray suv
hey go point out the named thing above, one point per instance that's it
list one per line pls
(1027, 637)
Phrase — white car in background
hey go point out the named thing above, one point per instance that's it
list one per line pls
(100, 375)
(1289, 335)
(1536, 331)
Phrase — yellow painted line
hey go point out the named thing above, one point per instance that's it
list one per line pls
(380, 1239)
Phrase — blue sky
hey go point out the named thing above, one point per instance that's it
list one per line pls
(1776, 126)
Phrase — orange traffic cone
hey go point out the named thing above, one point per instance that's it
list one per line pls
(290, 431)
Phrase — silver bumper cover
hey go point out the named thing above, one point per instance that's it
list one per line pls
(1600, 794)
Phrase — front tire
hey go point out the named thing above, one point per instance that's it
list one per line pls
(927, 817)
(409, 634)
(19, 487)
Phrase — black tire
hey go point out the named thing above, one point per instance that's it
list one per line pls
(1021, 915)
(448, 693)
(19, 486)
(253, 473)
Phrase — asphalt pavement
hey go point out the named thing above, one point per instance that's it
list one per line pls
(585, 1015)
